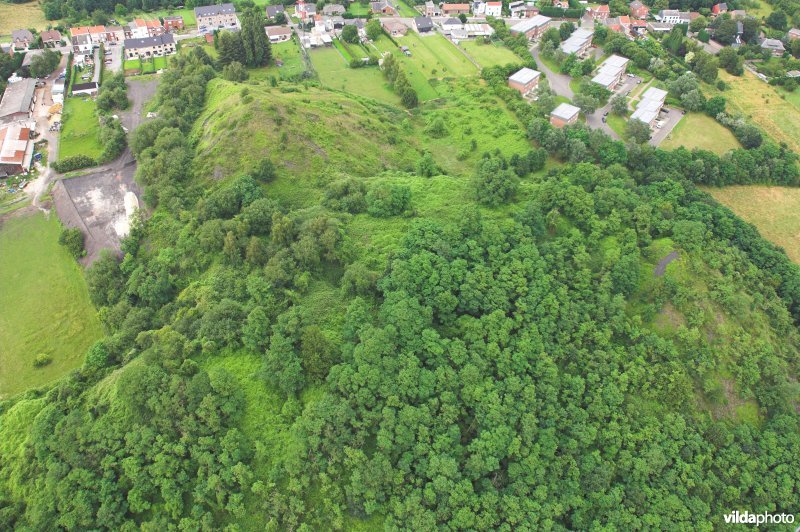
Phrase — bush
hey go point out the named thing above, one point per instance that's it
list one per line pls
(235, 71)
(73, 163)
(264, 172)
(386, 199)
(72, 239)
(41, 360)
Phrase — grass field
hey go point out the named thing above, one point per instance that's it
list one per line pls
(763, 9)
(148, 66)
(775, 211)
(44, 302)
(489, 55)
(81, 132)
(698, 130)
(334, 73)
(437, 57)
(358, 9)
(15, 16)
(617, 124)
(760, 102)
(293, 64)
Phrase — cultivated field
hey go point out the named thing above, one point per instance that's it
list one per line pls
(15, 16)
(488, 55)
(334, 73)
(775, 211)
(44, 302)
(81, 132)
(779, 118)
(698, 130)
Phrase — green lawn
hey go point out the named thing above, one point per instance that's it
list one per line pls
(189, 20)
(334, 73)
(44, 302)
(358, 9)
(617, 123)
(437, 57)
(81, 131)
(489, 55)
(405, 10)
(698, 130)
(293, 64)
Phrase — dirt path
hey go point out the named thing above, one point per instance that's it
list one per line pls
(661, 267)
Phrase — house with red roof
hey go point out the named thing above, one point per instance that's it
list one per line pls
(639, 10)
(719, 9)
(600, 12)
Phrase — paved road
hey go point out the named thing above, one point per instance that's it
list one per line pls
(559, 83)
(669, 120)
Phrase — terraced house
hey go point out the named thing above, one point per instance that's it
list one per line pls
(210, 18)
(150, 47)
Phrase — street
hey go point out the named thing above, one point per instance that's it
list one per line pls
(559, 83)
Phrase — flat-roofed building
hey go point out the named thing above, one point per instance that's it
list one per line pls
(532, 28)
(524, 80)
(578, 43)
(611, 71)
(650, 105)
(564, 115)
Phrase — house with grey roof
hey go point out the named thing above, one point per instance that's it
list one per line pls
(21, 40)
(147, 47)
(218, 17)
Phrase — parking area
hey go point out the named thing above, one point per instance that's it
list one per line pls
(113, 57)
(667, 119)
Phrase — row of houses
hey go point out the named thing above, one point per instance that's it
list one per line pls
(578, 43)
(610, 72)
(650, 105)
(532, 28)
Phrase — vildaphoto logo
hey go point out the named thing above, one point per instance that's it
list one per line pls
(748, 518)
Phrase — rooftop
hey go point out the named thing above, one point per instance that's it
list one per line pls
(524, 76)
(147, 42)
(530, 23)
(565, 111)
(17, 97)
(210, 11)
(576, 41)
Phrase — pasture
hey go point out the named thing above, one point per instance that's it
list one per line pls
(775, 211)
(289, 54)
(760, 102)
(45, 305)
(15, 16)
(698, 130)
(437, 57)
(488, 55)
(336, 74)
(81, 130)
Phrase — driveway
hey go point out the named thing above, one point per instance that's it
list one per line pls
(559, 83)
(115, 56)
(669, 120)
(595, 121)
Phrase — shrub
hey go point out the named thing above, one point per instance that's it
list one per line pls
(41, 360)
(72, 239)
(75, 162)
(386, 199)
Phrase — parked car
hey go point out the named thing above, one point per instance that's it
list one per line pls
(108, 61)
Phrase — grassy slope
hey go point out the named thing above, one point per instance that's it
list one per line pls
(81, 132)
(762, 103)
(15, 16)
(44, 302)
(775, 211)
(698, 130)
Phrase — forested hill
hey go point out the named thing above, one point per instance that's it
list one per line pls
(390, 343)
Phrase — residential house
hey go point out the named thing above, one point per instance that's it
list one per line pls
(479, 8)
(315, 38)
(520, 9)
(383, 7)
(600, 12)
(114, 34)
(173, 23)
(532, 28)
(278, 33)
(639, 10)
(793, 34)
(21, 40)
(578, 43)
(217, 17)
(673, 16)
(564, 115)
(139, 28)
(335, 22)
(561, 4)
(16, 148)
(494, 9)
(85, 89)
(650, 105)
(455, 9)
(719, 9)
(450, 24)
(774, 46)
(423, 24)
(150, 47)
(637, 28)
(81, 41)
(334, 9)
(305, 12)
(18, 101)
(432, 10)
(524, 80)
(395, 29)
(51, 38)
(610, 72)
(272, 11)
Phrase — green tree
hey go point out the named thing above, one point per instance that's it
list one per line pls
(350, 34)
(373, 29)
(637, 131)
